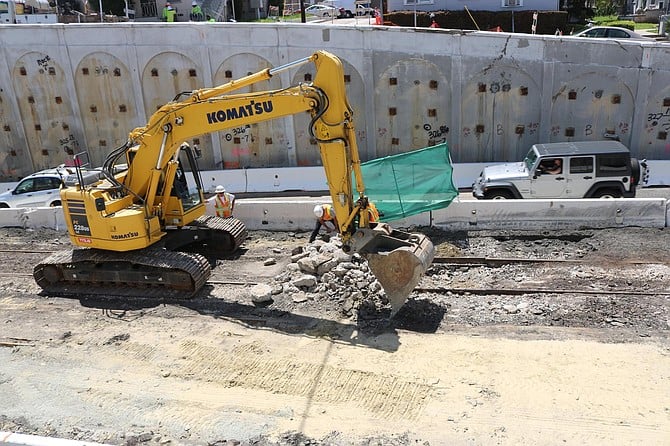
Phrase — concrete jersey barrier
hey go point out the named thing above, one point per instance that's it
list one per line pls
(295, 214)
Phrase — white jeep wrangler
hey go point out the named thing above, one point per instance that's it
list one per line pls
(581, 169)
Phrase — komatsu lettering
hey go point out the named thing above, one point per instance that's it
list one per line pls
(243, 111)
(123, 236)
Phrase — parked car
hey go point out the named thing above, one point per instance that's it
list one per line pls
(322, 11)
(364, 9)
(611, 32)
(586, 169)
(42, 189)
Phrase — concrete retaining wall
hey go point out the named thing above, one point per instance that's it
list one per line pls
(489, 95)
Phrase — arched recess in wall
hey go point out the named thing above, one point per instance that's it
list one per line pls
(590, 106)
(164, 76)
(258, 145)
(412, 107)
(655, 141)
(15, 160)
(106, 103)
(307, 149)
(46, 111)
(500, 113)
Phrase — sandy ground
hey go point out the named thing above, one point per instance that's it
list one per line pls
(221, 371)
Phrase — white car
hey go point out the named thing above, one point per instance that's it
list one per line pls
(611, 32)
(42, 189)
(364, 9)
(322, 11)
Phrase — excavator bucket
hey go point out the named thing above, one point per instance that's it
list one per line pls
(397, 259)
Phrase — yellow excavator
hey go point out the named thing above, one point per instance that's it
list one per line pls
(138, 230)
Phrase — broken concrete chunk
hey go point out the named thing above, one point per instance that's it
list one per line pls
(305, 280)
(299, 297)
(261, 293)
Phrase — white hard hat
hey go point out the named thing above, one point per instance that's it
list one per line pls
(318, 211)
(219, 189)
(194, 3)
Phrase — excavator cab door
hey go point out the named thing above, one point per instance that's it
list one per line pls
(186, 192)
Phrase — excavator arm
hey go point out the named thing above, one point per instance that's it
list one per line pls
(131, 210)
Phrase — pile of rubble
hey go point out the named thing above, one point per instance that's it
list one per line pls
(320, 272)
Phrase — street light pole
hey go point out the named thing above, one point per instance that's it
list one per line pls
(415, 13)
(101, 13)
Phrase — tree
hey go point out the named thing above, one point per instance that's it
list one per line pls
(610, 7)
(577, 12)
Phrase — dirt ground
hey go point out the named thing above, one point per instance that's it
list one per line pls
(586, 364)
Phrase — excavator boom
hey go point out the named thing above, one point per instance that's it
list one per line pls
(125, 218)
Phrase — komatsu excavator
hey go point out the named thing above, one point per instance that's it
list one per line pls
(137, 232)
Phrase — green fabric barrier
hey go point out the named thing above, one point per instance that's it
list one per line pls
(410, 183)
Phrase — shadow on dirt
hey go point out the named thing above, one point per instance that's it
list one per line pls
(249, 316)
(420, 316)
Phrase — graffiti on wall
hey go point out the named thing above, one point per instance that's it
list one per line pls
(240, 133)
(438, 135)
(500, 129)
(69, 144)
(43, 63)
(101, 70)
(660, 120)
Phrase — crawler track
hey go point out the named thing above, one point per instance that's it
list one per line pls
(147, 273)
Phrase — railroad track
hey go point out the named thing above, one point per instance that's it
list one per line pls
(493, 262)
(466, 261)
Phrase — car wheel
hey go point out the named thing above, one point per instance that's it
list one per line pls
(607, 193)
(4, 206)
(55, 204)
(498, 195)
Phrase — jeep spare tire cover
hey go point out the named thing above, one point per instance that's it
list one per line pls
(635, 171)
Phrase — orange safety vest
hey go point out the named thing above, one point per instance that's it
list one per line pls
(373, 214)
(328, 215)
(223, 205)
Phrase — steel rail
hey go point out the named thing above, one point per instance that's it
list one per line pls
(519, 291)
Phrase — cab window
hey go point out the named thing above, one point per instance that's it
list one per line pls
(617, 34)
(46, 183)
(598, 32)
(26, 186)
(581, 164)
(612, 165)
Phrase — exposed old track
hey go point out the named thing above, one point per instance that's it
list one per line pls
(222, 278)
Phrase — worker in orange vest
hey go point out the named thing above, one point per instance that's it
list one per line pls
(379, 20)
(325, 216)
(223, 202)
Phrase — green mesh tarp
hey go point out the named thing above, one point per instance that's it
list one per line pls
(410, 183)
